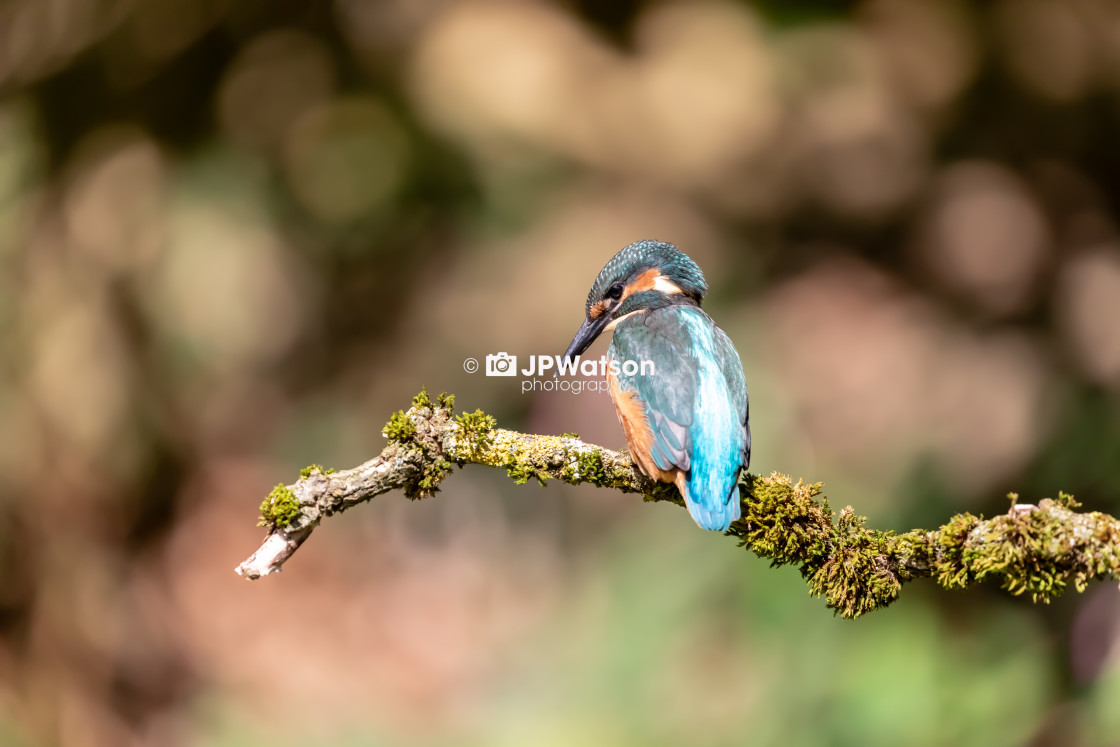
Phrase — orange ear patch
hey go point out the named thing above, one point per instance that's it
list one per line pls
(651, 279)
(644, 282)
(639, 438)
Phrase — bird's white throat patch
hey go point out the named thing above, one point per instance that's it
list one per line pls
(610, 326)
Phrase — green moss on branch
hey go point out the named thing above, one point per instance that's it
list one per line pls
(280, 508)
(309, 469)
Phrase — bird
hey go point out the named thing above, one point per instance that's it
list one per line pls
(686, 421)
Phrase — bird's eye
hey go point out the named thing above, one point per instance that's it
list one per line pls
(615, 291)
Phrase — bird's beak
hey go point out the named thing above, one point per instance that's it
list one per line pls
(591, 329)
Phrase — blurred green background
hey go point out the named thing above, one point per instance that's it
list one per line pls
(235, 235)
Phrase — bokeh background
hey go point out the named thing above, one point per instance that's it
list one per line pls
(235, 235)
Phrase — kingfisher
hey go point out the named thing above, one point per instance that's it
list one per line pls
(686, 421)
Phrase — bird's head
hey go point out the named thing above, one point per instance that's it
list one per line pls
(645, 275)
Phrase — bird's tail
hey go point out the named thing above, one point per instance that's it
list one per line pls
(712, 512)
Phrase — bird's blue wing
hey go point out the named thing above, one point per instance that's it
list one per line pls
(668, 391)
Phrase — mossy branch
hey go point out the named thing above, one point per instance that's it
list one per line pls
(1033, 549)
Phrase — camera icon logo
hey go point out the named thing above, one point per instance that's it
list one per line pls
(501, 364)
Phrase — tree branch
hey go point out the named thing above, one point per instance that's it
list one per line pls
(1037, 550)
